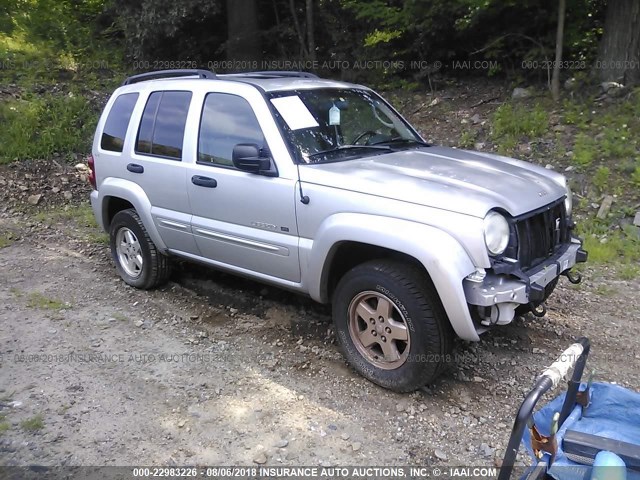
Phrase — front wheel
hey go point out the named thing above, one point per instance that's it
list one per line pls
(137, 259)
(391, 324)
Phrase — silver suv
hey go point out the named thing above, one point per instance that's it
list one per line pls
(321, 187)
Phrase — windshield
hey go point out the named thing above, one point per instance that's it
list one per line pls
(334, 124)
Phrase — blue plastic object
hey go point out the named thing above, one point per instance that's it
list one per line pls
(608, 466)
(614, 413)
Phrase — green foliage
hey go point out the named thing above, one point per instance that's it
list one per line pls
(629, 271)
(573, 114)
(40, 127)
(378, 36)
(33, 424)
(72, 26)
(606, 245)
(584, 150)
(514, 123)
(42, 302)
(80, 214)
(467, 139)
(601, 178)
(520, 121)
(6, 239)
(635, 177)
(172, 31)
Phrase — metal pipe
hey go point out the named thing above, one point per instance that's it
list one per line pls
(543, 384)
(574, 383)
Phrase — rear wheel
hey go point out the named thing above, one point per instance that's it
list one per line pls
(391, 325)
(137, 259)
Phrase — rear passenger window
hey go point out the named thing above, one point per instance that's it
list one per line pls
(161, 130)
(115, 128)
(226, 121)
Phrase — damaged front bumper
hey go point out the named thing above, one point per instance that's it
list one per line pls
(496, 294)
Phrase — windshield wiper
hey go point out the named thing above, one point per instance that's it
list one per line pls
(349, 147)
(402, 140)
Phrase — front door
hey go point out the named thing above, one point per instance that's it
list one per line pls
(240, 219)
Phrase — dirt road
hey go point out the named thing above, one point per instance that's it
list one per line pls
(213, 370)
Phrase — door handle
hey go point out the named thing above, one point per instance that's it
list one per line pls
(135, 168)
(204, 181)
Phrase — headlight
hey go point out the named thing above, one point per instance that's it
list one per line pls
(568, 202)
(496, 233)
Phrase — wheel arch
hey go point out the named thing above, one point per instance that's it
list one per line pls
(347, 254)
(112, 205)
(439, 255)
(117, 194)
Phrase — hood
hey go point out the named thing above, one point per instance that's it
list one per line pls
(462, 181)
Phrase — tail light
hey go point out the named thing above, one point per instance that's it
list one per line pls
(92, 172)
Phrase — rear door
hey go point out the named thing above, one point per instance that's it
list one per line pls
(240, 219)
(155, 163)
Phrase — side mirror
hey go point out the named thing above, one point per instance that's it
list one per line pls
(246, 157)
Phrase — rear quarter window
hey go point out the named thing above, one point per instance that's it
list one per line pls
(115, 128)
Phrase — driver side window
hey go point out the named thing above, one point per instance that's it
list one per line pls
(226, 121)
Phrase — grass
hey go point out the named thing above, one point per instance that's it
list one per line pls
(601, 178)
(97, 237)
(467, 139)
(44, 126)
(120, 317)
(520, 121)
(60, 122)
(6, 239)
(4, 425)
(605, 290)
(40, 301)
(629, 271)
(607, 246)
(33, 424)
(81, 214)
(635, 177)
(584, 150)
(514, 123)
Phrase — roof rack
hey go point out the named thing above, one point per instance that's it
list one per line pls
(143, 77)
(275, 74)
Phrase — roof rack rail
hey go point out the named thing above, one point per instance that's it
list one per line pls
(276, 74)
(143, 77)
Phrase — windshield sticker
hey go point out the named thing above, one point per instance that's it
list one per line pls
(334, 115)
(294, 112)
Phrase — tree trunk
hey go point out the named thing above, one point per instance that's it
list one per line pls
(296, 26)
(555, 79)
(619, 55)
(311, 38)
(243, 42)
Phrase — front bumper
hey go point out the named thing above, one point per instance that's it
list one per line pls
(518, 288)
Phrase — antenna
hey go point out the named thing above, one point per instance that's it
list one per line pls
(304, 199)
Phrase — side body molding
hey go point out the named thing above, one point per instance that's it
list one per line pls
(440, 254)
(134, 194)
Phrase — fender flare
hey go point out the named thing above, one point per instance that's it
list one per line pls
(442, 256)
(134, 194)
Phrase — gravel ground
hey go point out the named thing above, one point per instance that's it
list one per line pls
(215, 370)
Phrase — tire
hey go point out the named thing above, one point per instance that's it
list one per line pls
(405, 295)
(522, 310)
(137, 259)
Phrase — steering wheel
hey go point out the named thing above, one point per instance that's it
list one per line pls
(368, 133)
